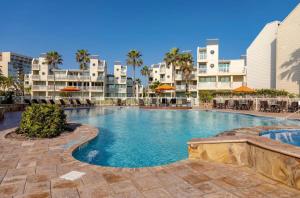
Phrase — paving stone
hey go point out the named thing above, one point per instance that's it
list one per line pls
(94, 191)
(157, 193)
(208, 187)
(38, 186)
(61, 183)
(65, 193)
(40, 194)
(220, 194)
(123, 186)
(113, 178)
(183, 190)
(147, 183)
(12, 189)
(195, 179)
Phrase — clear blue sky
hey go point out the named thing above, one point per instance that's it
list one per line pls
(111, 28)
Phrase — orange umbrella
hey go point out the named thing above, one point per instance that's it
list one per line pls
(244, 89)
(164, 88)
(70, 89)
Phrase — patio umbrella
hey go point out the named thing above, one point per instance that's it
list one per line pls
(164, 88)
(243, 89)
(70, 89)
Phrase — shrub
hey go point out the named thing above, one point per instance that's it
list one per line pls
(205, 96)
(42, 121)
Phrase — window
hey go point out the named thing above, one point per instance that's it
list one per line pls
(224, 67)
(94, 74)
(202, 68)
(168, 76)
(202, 54)
(155, 71)
(212, 51)
(224, 79)
(94, 64)
(212, 65)
(43, 73)
(117, 69)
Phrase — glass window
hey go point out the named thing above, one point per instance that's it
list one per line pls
(224, 79)
(202, 68)
(224, 67)
(202, 54)
(207, 79)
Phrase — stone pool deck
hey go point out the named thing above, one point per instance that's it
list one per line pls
(32, 169)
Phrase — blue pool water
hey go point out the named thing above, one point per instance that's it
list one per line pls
(288, 136)
(132, 137)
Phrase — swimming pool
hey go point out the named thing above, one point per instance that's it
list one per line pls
(133, 137)
(288, 136)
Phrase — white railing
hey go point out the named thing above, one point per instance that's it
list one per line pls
(180, 87)
(192, 87)
(224, 85)
(36, 77)
(207, 85)
(123, 72)
(35, 67)
(96, 88)
(39, 87)
(202, 71)
(100, 68)
(162, 70)
(100, 78)
(178, 77)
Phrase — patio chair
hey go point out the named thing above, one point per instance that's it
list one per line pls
(236, 105)
(51, 101)
(43, 101)
(89, 102)
(153, 101)
(27, 101)
(282, 106)
(250, 105)
(215, 104)
(164, 102)
(173, 102)
(34, 101)
(293, 107)
(226, 104)
(184, 102)
(141, 102)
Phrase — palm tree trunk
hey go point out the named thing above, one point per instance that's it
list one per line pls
(186, 87)
(134, 88)
(54, 85)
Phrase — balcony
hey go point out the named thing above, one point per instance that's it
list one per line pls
(35, 67)
(39, 87)
(57, 87)
(202, 70)
(26, 77)
(224, 85)
(100, 78)
(178, 77)
(121, 90)
(162, 79)
(192, 87)
(36, 77)
(207, 85)
(111, 81)
(123, 81)
(180, 87)
(224, 70)
(100, 68)
(162, 70)
(96, 88)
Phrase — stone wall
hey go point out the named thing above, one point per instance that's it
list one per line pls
(273, 164)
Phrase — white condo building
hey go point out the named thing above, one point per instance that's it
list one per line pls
(273, 58)
(91, 82)
(218, 74)
(13, 64)
(261, 58)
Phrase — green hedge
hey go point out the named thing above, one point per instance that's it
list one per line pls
(42, 121)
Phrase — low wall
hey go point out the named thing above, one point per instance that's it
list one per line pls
(13, 107)
(281, 164)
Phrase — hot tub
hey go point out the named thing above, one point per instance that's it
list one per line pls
(288, 136)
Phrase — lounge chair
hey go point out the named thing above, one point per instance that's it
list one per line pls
(293, 107)
(51, 101)
(89, 102)
(34, 101)
(62, 102)
(215, 104)
(164, 102)
(72, 103)
(184, 102)
(250, 105)
(43, 101)
(78, 102)
(27, 101)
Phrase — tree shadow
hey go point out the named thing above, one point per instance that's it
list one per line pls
(292, 68)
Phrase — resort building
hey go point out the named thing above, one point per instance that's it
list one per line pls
(288, 53)
(15, 65)
(218, 74)
(46, 81)
(261, 58)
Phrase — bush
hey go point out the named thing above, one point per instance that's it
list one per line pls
(42, 121)
(205, 96)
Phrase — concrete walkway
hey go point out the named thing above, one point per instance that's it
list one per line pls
(34, 169)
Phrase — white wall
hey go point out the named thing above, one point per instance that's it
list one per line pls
(261, 58)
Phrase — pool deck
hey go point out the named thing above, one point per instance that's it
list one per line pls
(32, 169)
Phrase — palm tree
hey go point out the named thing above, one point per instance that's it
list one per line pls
(145, 71)
(186, 66)
(53, 59)
(171, 58)
(83, 58)
(134, 58)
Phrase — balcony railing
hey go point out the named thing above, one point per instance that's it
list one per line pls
(96, 88)
(100, 68)
(123, 80)
(36, 77)
(39, 87)
(207, 85)
(100, 78)
(224, 85)
(178, 77)
(57, 87)
(202, 70)
(162, 70)
(123, 72)
(35, 67)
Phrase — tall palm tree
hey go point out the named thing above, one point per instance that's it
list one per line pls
(53, 59)
(145, 71)
(134, 58)
(186, 66)
(83, 58)
(172, 58)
